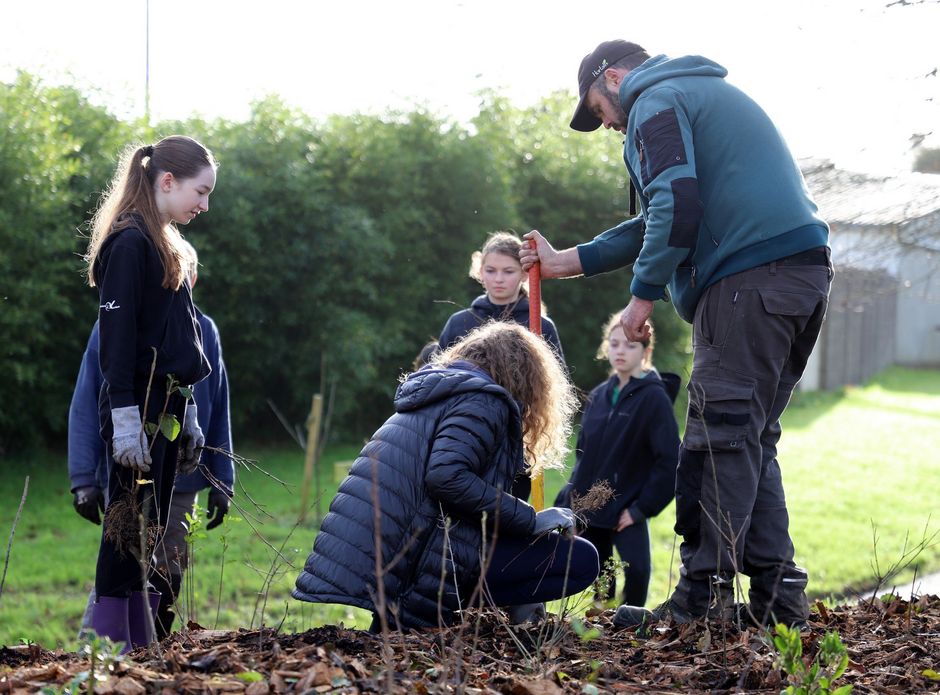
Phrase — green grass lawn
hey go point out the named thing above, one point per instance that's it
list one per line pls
(852, 458)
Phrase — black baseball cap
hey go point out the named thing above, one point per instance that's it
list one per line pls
(592, 67)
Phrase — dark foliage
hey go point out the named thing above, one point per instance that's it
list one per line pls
(333, 250)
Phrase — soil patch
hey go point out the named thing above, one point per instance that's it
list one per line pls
(893, 647)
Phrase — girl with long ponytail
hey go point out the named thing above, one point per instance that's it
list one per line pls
(151, 354)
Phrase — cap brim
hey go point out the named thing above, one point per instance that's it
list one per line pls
(583, 119)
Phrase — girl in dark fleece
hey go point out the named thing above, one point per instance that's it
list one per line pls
(630, 439)
(148, 331)
(436, 499)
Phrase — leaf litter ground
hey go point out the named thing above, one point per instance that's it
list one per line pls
(893, 647)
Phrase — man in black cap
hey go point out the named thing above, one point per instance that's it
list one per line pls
(728, 226)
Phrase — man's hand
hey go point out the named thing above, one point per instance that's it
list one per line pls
(553, 264)
(216, 508)
(633, 319)
(89, 503)
(625, 520)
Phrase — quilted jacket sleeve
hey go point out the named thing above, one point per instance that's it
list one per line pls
(462, 457)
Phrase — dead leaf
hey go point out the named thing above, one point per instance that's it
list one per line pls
(318, 674)
(359, 669)
(705, 641)
(536, 687)
(278, 683)
(217, 685)
(127, 686)
(258, 688)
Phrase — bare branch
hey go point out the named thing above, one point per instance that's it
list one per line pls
(16, 520)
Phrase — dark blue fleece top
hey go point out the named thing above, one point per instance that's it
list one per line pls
(138, 314)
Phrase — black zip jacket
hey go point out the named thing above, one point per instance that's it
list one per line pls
(137, 313)
(483, 310)
(634, 445)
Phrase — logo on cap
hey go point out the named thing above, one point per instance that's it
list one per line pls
(600, 68)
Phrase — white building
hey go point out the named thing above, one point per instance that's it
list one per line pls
(885, 302)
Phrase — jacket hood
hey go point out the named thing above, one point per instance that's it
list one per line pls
(651, 380)
(431, 385)
(485, 309)
(668, 381)
(662, 67)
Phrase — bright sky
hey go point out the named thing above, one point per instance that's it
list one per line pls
(843, 79)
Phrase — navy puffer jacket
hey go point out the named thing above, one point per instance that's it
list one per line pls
(452, 451)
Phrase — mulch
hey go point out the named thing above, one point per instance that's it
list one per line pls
(893, 647)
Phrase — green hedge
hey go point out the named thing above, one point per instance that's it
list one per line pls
(333, 249)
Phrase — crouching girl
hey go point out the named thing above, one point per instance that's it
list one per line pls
(434, 506)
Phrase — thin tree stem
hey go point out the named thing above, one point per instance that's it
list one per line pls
(16, 520)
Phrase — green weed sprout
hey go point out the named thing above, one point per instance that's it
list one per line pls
(102, 655)
(830, 663)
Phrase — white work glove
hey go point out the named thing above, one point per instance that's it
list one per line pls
(191, 439)
(129, 441)
(554, 519)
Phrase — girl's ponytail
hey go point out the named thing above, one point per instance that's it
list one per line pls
(129, 200)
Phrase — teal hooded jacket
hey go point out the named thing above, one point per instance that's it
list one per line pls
(720, 192)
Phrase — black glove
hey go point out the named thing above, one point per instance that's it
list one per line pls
(89, 502)
(216, 508)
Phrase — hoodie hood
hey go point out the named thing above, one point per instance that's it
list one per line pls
(432, 385)
(651, 380)
(662, 67)
(483, 308)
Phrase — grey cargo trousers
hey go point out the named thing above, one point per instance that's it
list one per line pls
(753, 334)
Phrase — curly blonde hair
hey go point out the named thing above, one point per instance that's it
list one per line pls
(524, 365)
(614, 322)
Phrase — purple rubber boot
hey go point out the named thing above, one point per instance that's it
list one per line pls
(140, 617)
(109, 619)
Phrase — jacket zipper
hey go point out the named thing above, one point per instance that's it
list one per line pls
(610, 414)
